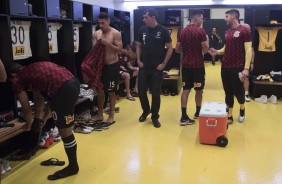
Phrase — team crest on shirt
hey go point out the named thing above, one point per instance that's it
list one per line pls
(144, 38)
(158, 34)
(69, 119)
(236, 34)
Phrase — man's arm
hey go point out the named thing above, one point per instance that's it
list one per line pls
(205, 45)
(178, 47)
(253, 59)
(26, 109)
(167, 56)
(39, 103)
(138, 54)
(248, 58)
(3, 74)
(168, 52)
(117, 46)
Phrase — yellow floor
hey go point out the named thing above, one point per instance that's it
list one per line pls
(130, 152)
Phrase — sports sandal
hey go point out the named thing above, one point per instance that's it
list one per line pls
(52, 161)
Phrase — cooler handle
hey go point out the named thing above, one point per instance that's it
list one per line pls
(211, 122)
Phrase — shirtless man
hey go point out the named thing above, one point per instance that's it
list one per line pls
(111, 39)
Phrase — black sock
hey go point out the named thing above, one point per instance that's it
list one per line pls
(183, 110)
(242, 112)
(70, 148)
(198, 108)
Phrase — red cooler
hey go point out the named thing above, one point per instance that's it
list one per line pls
(213, 124)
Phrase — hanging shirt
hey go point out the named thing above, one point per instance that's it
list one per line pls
(52, 37)
(20, 39)
(267, 37)
(76, 36)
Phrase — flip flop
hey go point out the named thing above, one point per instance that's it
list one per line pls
(52, 161)
(95, 120)
(131, 98)
(109, 123)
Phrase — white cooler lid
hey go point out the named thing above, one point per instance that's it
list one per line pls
(213, 109)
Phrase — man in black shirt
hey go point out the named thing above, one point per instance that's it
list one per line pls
(152, 59)
(215, 42)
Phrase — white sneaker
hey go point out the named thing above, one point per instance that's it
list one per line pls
(261, 99)
(241, 119)
(241, 116)
(275, 73)
(6, 165)
(272, 99)
(247, 98)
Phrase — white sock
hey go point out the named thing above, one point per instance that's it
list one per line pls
(246, 92)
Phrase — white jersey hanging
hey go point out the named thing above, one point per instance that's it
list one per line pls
(52, 37)
(76, 36)
(20, 39)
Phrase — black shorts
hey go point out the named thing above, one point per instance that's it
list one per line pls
(63, 102)
(110, 77)
(193, 78)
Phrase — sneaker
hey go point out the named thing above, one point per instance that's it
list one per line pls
(5, 165)
(186, 121)
(275, 73)
(272, 99)
(54, 132)
(57, 138)
(44, 143)
(2, 169)
(82, 130)
(50, 140)
(83, 117)
(196, 115)
(241, 116)
(261, 99)
(99, 126)
(247, 98)
(230, 120)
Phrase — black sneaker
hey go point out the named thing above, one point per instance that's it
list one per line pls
(99, 126)
(186, 121)
(230, 120)
(156, 123)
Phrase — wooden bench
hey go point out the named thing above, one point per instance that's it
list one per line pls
(9, 132)
(173, 84)
(267, 88)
